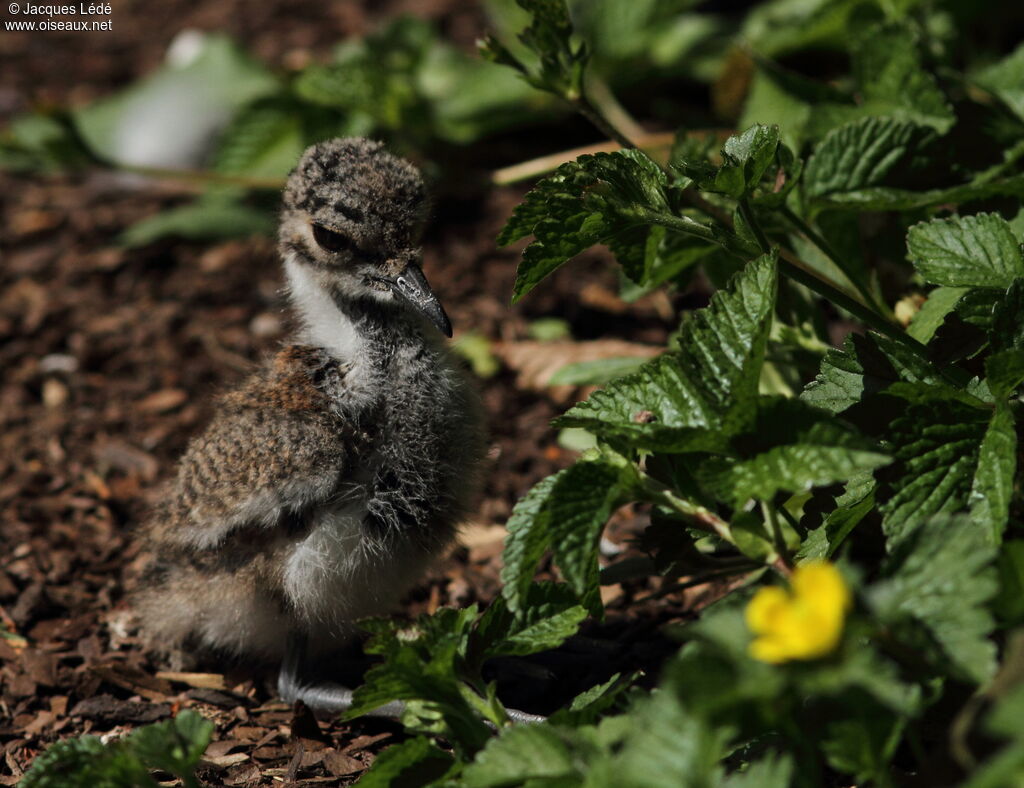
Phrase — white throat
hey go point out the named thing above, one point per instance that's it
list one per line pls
(323, 324)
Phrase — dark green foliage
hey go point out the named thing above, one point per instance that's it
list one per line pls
(757, 447)
(174, 747)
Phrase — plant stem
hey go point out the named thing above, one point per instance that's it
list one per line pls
(583, 106)
(545, 164)
(798, 271)
(866, 312)
(700, 580)
(815, 238)
(748, 216)
(604, 103)
(705, 519)
(778, 539)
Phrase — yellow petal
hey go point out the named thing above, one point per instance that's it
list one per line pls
(765, 608)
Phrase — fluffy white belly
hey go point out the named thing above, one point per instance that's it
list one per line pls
(338, 574)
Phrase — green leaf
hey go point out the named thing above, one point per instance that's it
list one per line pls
(530, 752)
(584, 202)
(209, 218)
(1004, 371)
(567, 512)
(86, 762)
(935, 446)
(966, 251)
(265, 139)
(1009, 603)
(596, 373)
(693, 399)
(526, 542)
(174, 746)
(548, 38)
(992, 488)
(411, 764)
(887, 67)
(815, 450)
(938, 582)
(745, 157)
(867, 364)
(550, 615)
(667, 747)
(1006, 80)
(859, 157)
(856, 502)
(932, 313)
(1007, 329)
(591, 704)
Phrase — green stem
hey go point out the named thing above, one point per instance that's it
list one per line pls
(707, 577)
(583, 106)
(815, 238)
(778, 539)
(796, 271)
(655, 492)
(801, 272)
(748, 216)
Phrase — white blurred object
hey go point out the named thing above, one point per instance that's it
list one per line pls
(173, 117)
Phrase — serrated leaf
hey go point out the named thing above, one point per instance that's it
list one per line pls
(966, 251)
(992, 488)
(939, 581)
(586, 201)
(412, 763)
(566, 512)
(935, 449)
(527, 752)
(694, 398)
(668, 747)
(861, 156)
(550, 615)
(867, 364)
(745, 157)
(548, 39)
(887, 67)
(86, 762)
(856, 502)
(816, 450)
(525, 542)
(174, 746)
(591, 704)
(929, 317)
(1004, 371)
(1007, 329)
(265, 139)
(1006, 80)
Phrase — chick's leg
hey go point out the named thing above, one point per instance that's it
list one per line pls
(328, 698)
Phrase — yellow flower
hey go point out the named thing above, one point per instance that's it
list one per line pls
(805, 622)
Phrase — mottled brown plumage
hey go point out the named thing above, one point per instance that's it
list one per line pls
(329, 479)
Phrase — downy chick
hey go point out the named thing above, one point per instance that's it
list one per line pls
(326, 482)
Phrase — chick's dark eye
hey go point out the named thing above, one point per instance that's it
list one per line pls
(330, 240)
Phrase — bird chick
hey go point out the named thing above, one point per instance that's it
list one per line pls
(326, 483)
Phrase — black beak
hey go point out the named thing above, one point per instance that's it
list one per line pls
(411, 286)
